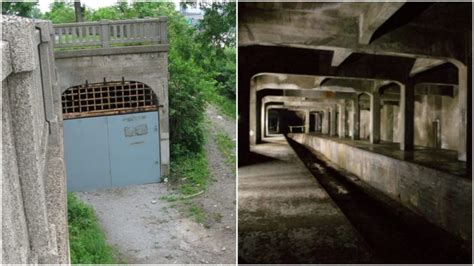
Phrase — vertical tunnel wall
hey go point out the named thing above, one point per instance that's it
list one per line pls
(428, 110)
(34, 213)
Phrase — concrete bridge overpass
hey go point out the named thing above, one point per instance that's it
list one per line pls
(390, 93)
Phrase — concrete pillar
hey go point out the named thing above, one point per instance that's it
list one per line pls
(325, 124)
(333, 121)
(388, 122)
(355, 118)
(375, 117)
(253, 115)
(263, 120)
(462, 98)
(342, 120)
(316, 122)
(306, 121)
(407, 110)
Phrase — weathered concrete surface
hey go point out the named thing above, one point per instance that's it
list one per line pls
(34, 216)
(430, 109)
(148, 65)
(441, 196)
(285, 216)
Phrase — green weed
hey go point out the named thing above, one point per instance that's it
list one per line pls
(227, 148)
(86, 239)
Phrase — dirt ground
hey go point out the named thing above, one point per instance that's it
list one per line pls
(146, 229)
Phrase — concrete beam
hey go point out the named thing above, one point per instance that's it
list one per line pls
(339, 56)
(112, 51)
(423, 64)
(374, 17)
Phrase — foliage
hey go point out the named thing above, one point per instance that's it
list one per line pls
(61, 12)
(217, 28)
(23, 9)
(227, 148)
(192, 172)
(198, 213)
(216, 38)
(86, 239)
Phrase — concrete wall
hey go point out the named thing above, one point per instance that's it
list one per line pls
(429, 109)
(442, 198)
(148, 65)
(34, 214)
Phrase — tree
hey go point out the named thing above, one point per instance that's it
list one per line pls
(61, 12)
(24, 9)
(78, 11)
(218, 25)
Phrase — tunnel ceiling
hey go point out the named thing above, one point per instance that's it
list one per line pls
(408, 29)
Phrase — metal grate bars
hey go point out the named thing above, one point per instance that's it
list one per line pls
(106, 99)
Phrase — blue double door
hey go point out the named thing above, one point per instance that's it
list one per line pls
(112, 151)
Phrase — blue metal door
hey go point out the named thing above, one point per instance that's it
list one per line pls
(112, 151)
(86, 153)
(134, 155)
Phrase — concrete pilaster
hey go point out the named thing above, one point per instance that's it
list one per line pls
(333, 121)
(342, 120)
(375, 117)
(462, 102)
(253, 115)
(407, 109)
(355, 118)
(325, 124)
(263, 120)
(306, 121)
(316, 122)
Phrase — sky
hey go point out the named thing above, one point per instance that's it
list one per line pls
(94, 4)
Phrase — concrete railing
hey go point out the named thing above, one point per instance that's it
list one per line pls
(106, 33)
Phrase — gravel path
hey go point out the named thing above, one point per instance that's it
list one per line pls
(145, 229)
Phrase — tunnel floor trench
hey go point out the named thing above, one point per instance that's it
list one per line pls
(395, 233)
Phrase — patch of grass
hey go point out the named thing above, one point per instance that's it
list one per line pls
(227, 148)
(197, 213)
(225, 105)
(170, 198)
(86, 239)
(192, 172)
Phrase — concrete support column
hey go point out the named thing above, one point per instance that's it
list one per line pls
(253, 115)
(375, 117)
(388, 119)
(333, 121)
(407, 109)
(342, 120)
(263, 120)
(462, 98)
(355, 118)
(316, 122)
(306, 121)
(325, 125)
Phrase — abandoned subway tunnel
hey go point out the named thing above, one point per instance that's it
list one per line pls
(354, 132)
